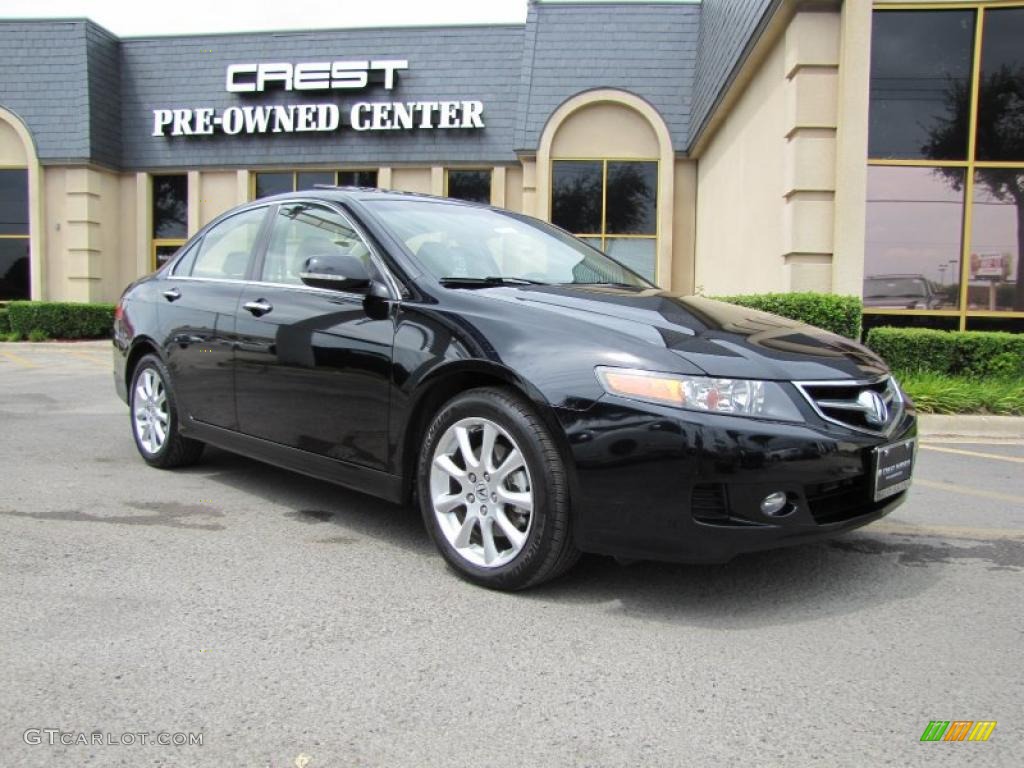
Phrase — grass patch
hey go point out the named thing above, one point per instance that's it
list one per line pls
(941, 393)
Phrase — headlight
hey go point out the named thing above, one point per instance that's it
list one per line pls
(739, 397)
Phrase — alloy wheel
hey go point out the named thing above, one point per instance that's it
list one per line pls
(150, 412)
(481, 492)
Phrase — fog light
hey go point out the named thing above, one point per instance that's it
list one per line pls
(773, 503)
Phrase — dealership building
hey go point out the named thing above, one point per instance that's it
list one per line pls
(723, 146)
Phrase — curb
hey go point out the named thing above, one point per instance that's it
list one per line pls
(969, 425)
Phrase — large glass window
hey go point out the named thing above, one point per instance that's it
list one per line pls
(303, 231)
(276, 182)
(14, 235)
(170, 216)
(945, 213)
(912, 247)
(612, 204)
(226, 248)
(473, 186)
(920, 68)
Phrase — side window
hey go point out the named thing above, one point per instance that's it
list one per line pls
(304, 230)
(225, 250)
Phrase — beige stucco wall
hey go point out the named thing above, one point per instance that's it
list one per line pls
(684, 226)
(766, 212)
(12, 151)
(605, 130)
(84, 252)
(739, 200)
(411, 179)
(514, 188)
(218, 192)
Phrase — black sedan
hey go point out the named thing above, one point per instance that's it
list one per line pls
(537, 398)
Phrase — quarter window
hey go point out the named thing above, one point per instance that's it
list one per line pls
(303, 231)
(612, 204)
(226, 248)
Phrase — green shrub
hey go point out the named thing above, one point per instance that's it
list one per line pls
(12, 336)
(38, 334)
(5, 321)
(974, 354)
(838, 314)
(940, 393)
(914, 349)
(61, 320)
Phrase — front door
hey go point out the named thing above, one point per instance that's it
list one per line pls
(196, 309)
(312, 365)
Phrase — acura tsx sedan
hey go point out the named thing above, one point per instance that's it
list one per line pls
(536, 398)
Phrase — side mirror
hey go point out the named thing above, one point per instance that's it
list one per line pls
(336, 271)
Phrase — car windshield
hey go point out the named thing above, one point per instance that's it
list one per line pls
(881, 288)
(456, 242)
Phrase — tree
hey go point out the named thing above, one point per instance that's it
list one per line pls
(1000, 135)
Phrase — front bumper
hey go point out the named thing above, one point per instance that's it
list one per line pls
(660, 483)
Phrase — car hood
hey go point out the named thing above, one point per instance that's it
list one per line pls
(719, 338)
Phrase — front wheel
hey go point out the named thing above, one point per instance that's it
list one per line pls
(493, 491)
(155, 420)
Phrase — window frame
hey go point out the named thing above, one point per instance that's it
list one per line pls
(489, 170)
(970, 164)
(27, 237)
(165, 242)
(295, 176)
(603, 235)
(255, 253)
(394, 285)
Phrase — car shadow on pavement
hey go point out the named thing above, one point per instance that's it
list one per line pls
(845, 575)
(851, 573)
(318, 503)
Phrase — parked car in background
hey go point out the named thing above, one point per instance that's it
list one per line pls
(900, 292)
(534, 396)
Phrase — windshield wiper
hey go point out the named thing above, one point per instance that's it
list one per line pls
(485, 282)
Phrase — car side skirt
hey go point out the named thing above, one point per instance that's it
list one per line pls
(363, 479)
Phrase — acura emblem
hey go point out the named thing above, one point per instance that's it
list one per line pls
(874, 407)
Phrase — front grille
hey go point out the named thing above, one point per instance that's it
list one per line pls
(872, 406)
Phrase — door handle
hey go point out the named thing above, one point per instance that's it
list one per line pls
(172, 294)
(259, 307)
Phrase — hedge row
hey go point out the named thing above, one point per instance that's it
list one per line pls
(60, 320)
(5, 322)
(838, 314)
(978, 354)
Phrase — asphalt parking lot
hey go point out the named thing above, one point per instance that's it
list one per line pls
(291, 622)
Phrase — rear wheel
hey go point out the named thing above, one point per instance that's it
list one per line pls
(493, 491)
(154, 418)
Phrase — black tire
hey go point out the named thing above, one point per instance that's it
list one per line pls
(175, 451)
(549, 549)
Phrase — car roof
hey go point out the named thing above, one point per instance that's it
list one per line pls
(361, 194)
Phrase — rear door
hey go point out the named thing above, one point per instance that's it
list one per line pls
(313, 365)
(197, 314)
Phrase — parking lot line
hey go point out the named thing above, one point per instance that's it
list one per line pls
(17, 359)
(968, 491)
(977, 454)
